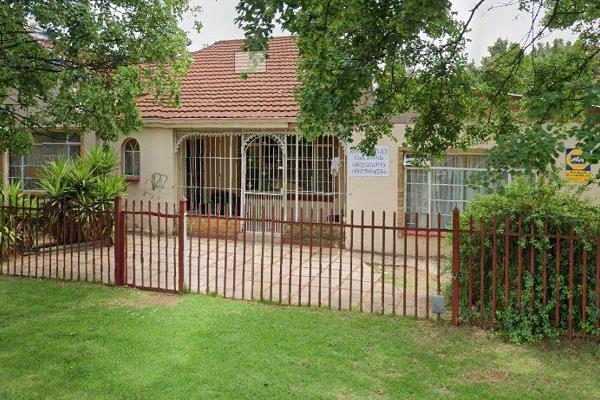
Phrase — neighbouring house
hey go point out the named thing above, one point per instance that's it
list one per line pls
(232, 149)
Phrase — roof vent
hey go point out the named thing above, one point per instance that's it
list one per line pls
(247, 62)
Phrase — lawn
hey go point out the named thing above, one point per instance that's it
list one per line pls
(82, 341)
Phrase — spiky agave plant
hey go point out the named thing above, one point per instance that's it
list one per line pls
(80, 195)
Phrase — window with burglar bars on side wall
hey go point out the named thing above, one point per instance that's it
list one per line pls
(25, 169)
(439, 186)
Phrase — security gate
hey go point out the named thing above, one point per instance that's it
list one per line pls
(264, 180)
(264, 173)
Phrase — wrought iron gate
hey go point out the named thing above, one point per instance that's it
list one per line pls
(264, 180)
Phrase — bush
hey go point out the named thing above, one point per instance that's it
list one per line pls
(546, 209)
(80, 195)
(16, 219)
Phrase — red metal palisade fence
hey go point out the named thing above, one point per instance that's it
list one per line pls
(370, 262)
(514, 269)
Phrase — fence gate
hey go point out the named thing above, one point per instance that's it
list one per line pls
(383, 266)
(149, 245)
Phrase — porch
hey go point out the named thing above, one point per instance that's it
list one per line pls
(266, 173)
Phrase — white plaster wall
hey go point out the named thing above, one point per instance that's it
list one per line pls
(88, 140)
(158, 173)
(376, 194)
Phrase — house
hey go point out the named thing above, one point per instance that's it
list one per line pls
(232, 149)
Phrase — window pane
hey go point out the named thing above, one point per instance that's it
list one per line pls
(448, 180)
(449, 190)
(461, 161)
(131, 158)
(416, 176)
(25, 169)
(417, 195)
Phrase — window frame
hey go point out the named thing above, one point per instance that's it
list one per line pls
(124, 151)
(430, 168)
(22, 166)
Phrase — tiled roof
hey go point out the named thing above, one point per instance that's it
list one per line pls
(212, 88)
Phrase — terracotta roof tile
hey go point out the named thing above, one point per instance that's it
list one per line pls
(212, 88)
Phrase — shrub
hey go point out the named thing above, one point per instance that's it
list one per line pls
(16, 220)
(547, 210)
(80, 195)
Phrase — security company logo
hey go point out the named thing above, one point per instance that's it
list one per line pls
(577, 169)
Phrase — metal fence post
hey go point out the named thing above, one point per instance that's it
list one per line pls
(181, 238)
(455, 264)
(119, 270)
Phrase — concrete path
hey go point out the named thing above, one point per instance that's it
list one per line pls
(271, 271)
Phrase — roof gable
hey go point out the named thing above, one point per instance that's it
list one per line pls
(213, 89)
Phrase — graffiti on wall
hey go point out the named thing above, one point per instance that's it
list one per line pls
(158, 181)
(155, 184)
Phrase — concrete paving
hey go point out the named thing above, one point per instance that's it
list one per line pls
(269, 270)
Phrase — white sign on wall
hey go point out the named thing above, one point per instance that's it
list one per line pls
(362, 165)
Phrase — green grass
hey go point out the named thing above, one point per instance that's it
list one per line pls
(81, 341)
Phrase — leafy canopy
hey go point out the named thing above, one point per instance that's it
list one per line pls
(532, 104)
(81, 64)
(363, 62)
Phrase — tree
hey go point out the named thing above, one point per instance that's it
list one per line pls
(71, 64)
(364, 61)
(532, 103)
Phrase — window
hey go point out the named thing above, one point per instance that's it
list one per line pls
(440, 187)
(131, 159)
(26, 168)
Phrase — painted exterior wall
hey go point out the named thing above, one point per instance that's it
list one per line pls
(377, 194)
(88, 141)
(158, 173)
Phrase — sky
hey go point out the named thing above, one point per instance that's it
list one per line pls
(494, 19)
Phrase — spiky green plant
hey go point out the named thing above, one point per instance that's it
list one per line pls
(80, 195)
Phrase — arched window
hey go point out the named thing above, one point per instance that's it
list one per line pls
(131, 159)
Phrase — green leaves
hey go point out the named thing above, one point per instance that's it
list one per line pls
(358, 60)
(364, 62)
(91, 178)
(83, 64)
(548, 210)
(81, 192)
(54, 178)
(557, 88)
(15, 220)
